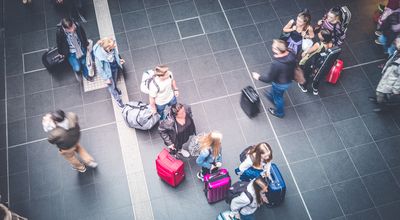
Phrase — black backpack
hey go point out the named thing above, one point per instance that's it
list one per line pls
(236, 189)
(243, 155)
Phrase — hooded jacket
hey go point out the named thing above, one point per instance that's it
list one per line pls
(281, 71)
(102, 65)
(62, 42)
(390, 81)
(65, 139)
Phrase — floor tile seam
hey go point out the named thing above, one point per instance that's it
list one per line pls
(34, 51)
(363, 210)
(6, 113)
(30, 71)
(268, 117)
(363, 64)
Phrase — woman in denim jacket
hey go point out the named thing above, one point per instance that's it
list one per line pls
(210, 153)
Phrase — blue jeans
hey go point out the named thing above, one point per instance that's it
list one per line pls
(78, 64)
(276, 96)
(247, 217)
(112, 88)
(160, 108)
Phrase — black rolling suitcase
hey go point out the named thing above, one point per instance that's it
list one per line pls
(250, 101)
(52, 58)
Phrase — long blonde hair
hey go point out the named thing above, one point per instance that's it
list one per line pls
(211, 140)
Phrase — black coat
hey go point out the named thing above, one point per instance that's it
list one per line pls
(62, 42)
(281, 71)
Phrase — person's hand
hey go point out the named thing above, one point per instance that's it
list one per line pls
(122, 61)
(108, 81)
(255, 75)
(218, 164)
(319, 22)
(176, 93)
(291, 21)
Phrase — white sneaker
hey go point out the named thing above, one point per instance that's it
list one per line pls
(92, 164)
(184, 153)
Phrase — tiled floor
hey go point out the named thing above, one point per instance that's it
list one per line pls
(343, 157)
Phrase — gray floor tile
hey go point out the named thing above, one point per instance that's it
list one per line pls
(3, 162)
(128, 65)
(196, 46)
(100, 94)
(262, 12)
(361, 101)
(369, 214)
(16, 137)
(270, 29)
(92, 31)
(338, 161)
(353, 132)
(22, 208)
(118, 23)
(99, 113)
(15, 109)
(298, 97)
(296, 147)
(3, 136)
(2, 111)
(390, 150)
(390, 211)
(235, 100)
(113, 195)
(219, 110)
(135, 20)
(34, 128)
(154, 3)
(4, 188)
(352, 196)
(165, 33)
(55, 207)
(325, 139)
(39, 150)
(309, 174)
(15, 86)
(322, 210)
(327, 89)
(257, 129)
(286, 8)
(239, 17)
(211, 87)
(37, 81)
(361, 30)
(311, 4)
(39, 103)
(256, 54)
(382, 195)
(292, 208)
(312, 114)
(396, 173)
(122, 42)
(145, 57)
(347, 56)
(68, 96)
(189, 91)
(354, 79)
(84, 201)
(34, 41)
(372, 71)
(367, 159)
(14, 64)
(232, 4)
(181, 70)
(247, 35)
(203, 66)
(170, 52)
(45, 181)
(160, 15)
(130, 5)
(114, 6)
(17, 160)
(190, 27)
(236, 80)
(184, 10)
(346, 110)
(214, 22)
(64, 77)
(367, 51)
(221, 41)
(19, 187)
(229, 60)
(207, 7)
(122, 213)
(290, 123)
(233, 137)
(380, 126)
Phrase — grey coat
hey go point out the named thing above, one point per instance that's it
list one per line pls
(390, 81)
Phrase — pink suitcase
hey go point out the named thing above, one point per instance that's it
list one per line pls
(217, 185)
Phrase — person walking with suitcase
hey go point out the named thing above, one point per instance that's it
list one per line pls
(176, 128)
(280, 74)
(108, 64)
(255, 161)
(162, 90)
(247, 202)
(210, 154)
(72, 43)
(63, 130)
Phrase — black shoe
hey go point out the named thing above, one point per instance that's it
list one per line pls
(118, 91)
(272, 112)
(302, 88)
(120, 104)
(315, 91)
(90, 79)
(377, 109)
(372, 99)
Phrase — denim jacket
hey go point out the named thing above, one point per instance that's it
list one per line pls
(206, 159)
(102, 65)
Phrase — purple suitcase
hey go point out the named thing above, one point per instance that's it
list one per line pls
(217, 185)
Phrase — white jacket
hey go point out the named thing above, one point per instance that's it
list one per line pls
(242, 202)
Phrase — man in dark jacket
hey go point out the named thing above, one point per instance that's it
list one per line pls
(63, 130)
(72, 43)
(280, 74)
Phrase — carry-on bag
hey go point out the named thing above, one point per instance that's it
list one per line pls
(170, 169)
(276, 187)
(334, 73)
(250, 101)
(216, 185)
(139, 115)
(51, 58)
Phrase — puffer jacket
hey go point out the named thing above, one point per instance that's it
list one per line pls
(168, 127)
(390, 81)
(65, 139)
